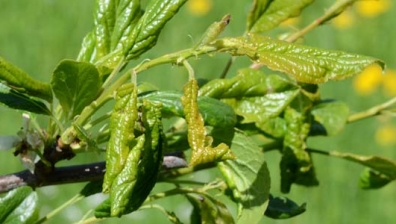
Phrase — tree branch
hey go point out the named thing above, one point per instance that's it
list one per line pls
(173, 165)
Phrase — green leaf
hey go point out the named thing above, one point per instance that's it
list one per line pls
(332, 115)
(247, 176)
(380, 164)
(139, 174)
(16, 100)
(17, 79)
(214, 112)
(305, 64)
(145, 34)
(371, 179)
(283, 208)
(253, 95)
(76, 85)
(122, 138)
(128, 12)
(210, 210)
(200, 143)
(214, 31)
(91, 188)
(268, 14)
(19, 206)
(296, 164)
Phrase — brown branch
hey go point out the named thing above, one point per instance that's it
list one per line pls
(173, 165)
(62, 175)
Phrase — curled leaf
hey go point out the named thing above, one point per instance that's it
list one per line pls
(201, 145)
(122, 124)
(20, 101)
(283, 208)
(214, 31)
(268, 14)
(296, 164)
(17, 79)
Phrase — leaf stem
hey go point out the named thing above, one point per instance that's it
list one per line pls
(227, 67)
(334, 10)
(376, 110)
(71, 201)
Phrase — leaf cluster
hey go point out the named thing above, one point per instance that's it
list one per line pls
(226, 123)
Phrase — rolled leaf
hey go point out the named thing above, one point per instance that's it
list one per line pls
(201, 145)
(16, 100)
(122, 123)
(133, 184)
(381, 172)
(15, 78)
(296, 164)
(372, 179)
(268, 14)
(283, 208)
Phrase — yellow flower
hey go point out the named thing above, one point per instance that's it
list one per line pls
(372, 8)
(344, 20)
(389, 82)
(367, 81)
(386, 135)
(199, 7)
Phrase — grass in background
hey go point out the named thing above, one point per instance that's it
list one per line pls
(36, 35)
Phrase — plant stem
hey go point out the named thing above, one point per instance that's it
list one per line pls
(227, 67)
(337, 8)
(376, 110)
(318, 151)
(71, 201)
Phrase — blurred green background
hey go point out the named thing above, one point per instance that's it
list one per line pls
(36, 35)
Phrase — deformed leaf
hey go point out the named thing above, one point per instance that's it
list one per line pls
(371, 179)
(247, 176)
(214, 30)
(76, 85)
(214, 112)
(145, 34)
(383, 168)
(17, 79)
(210, 210)
(268, 14)
(16, 100)
(137, 178)
(332, 115)
(122, 123)
(201, 145)
(253, 95)
(19, 206)
(258, 8)
(283, 208)
(296, 164)
(304, 63)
